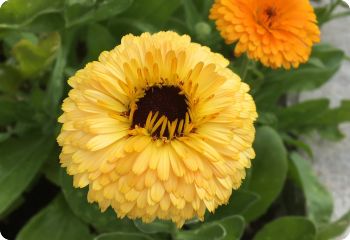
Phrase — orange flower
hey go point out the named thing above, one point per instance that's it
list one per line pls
(276, 32)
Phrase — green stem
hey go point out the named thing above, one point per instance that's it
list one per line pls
(339, 15)
(334, 5)
(244, 68)
(327, 15)
(57, 82)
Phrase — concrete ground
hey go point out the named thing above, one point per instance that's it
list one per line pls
(332, 160)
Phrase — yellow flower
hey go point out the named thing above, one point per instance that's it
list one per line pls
(276, 32)
(158, 128)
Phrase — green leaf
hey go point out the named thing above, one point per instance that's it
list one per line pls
(82, 2)
(14, 205)
(15, 14)
(336, 115)
(316, 62)
(302, 116)
(312, 115)
(226, 228)
(266, 181)
(98, 39)
(7, 113)
(79, 12)
(4, 136)
(48, 22)
(155, 226)
(234, 227)
(127, 25)
(192, 15)
(301, 145)
(240, 202)
(325, 13)
(90, 213)
(57, 82)
(36, 100)
(9, 79)
(319, 203)
(331, 133)
(52, 168)
(21, 159)
(109, 8)
(55, 222)
(325, 62)
(123, 236)
(291, 228)
(203, 7)
(334, 229)
(267, 118)
(33, 58)
(154, 12)
(205, 231)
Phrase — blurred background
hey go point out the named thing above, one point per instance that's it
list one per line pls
(332, 161)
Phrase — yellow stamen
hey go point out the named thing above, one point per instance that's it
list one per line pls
(147, 125)
(153, 120)
(159, 122)
(190, 114)
(179, 129)
(172, 128)
(132, 111)
(187, 121)
(162, 130)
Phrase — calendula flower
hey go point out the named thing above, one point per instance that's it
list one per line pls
(275, 32)
(159, 127)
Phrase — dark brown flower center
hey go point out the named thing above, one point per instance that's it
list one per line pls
(166, 100)
(270, 12)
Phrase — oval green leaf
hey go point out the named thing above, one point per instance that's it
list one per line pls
(205, 231)
(123, 236)
(15, 14)
(234, 227)
(319, 203)
(82, 12)
(334, 229)
(287, 228)
(99, 39)
(144, 11)
(55, 222)
(269, 171)
(21, 160)
(155, 226)
(34, 58)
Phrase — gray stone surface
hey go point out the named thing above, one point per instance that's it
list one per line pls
(332, 161)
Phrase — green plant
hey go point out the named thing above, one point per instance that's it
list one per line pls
(42, 44)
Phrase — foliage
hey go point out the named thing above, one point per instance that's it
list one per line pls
(55, 222)
(289, 227)
(42, 44)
